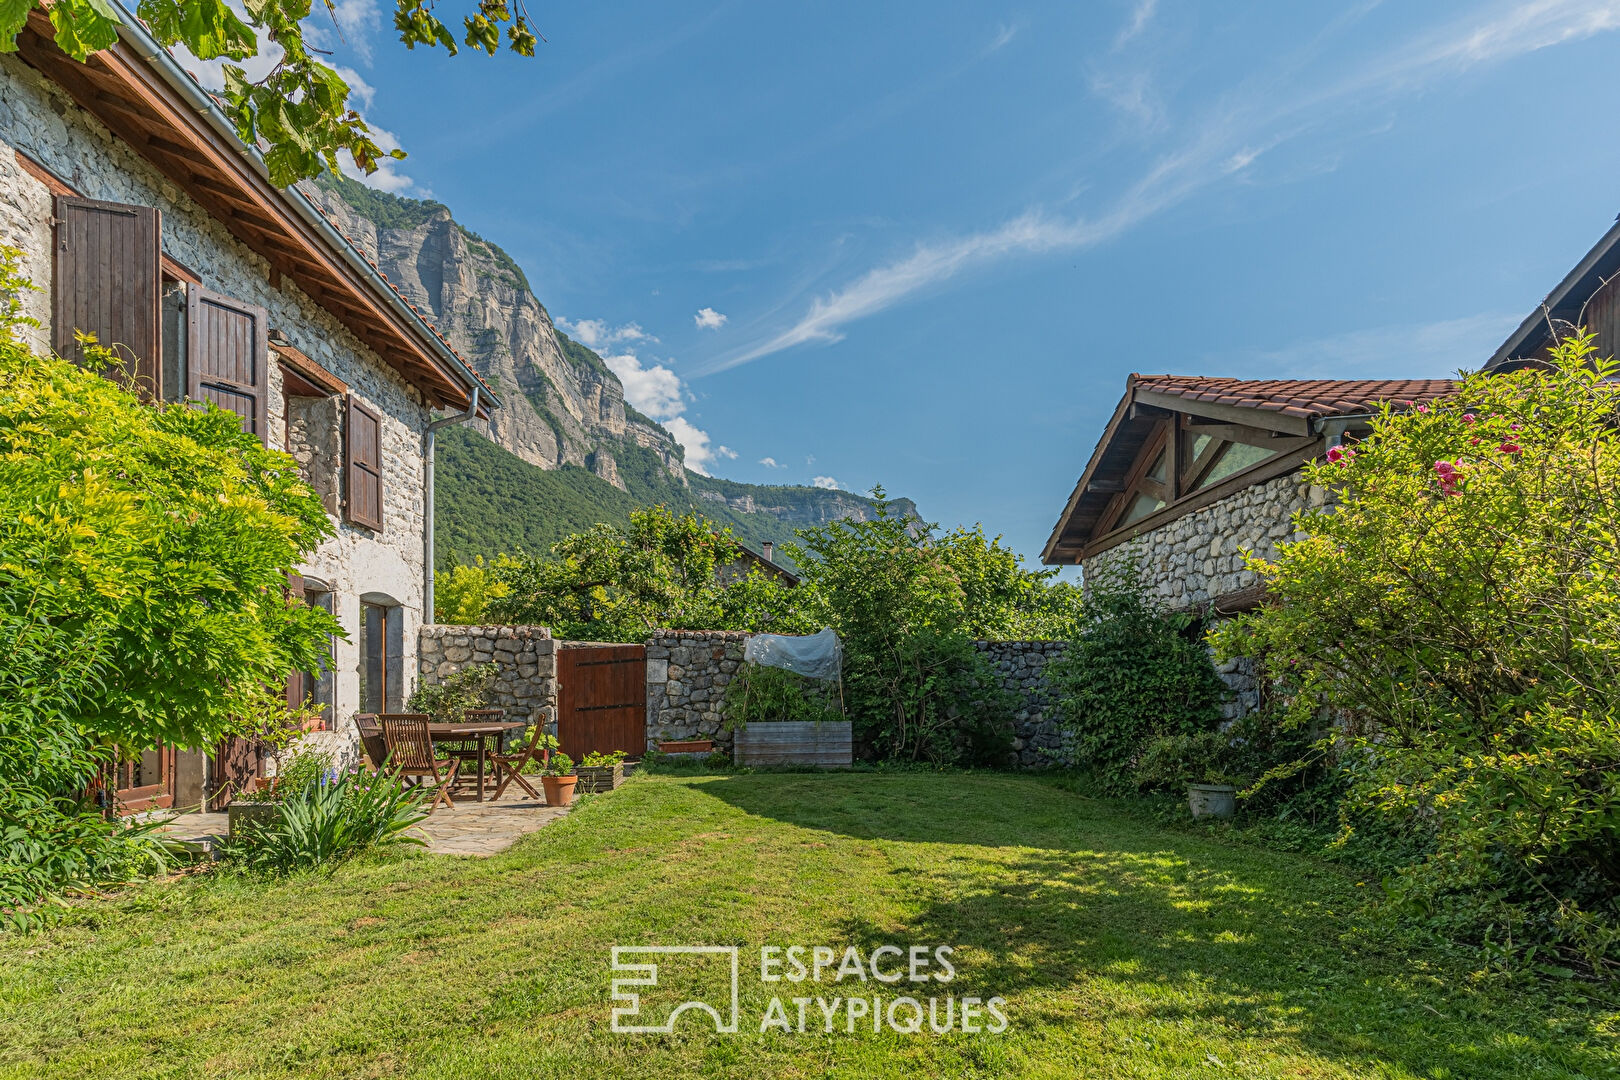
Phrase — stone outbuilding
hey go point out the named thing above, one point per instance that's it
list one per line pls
(1193, 473)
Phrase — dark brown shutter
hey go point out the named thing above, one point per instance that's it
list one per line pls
(363, 434)
(226, 348)
(107, 284)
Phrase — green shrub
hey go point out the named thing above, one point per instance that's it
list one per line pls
(1460, 609)
(448, 700)
(1133, 675)
(337, 817)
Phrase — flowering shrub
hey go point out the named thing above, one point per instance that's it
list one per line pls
(1460, 611)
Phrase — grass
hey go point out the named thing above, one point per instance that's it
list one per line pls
(1123, 951)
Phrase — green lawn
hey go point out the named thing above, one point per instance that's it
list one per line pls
(1123, 950)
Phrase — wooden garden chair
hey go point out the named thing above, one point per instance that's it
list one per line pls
(371, 739)
(510, 766)
(410, 753)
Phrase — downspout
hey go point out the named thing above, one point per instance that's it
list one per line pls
(427, 500)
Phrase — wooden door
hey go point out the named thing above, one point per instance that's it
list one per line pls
(145, 781)
(602, 700)
(235, 764)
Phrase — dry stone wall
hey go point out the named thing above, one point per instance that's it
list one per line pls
(525, 658)
(1038, 740)
(687, 675)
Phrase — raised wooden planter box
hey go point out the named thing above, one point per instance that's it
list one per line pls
(688, 746)
(600, 778)
(796, 742)
(257, 815)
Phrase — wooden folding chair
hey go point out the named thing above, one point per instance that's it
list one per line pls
(510, 766)
(410, 753)
(371, 739)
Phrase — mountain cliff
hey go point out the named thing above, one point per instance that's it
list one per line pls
(583, 453)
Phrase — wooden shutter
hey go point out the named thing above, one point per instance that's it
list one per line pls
(107, 284)
(363, 452)
(226, 347)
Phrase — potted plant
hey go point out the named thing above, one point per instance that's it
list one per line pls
(558, 780)
(1198, 760)
(261, 807)
(601, 772)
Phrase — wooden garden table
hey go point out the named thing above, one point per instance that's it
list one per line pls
(480, 732)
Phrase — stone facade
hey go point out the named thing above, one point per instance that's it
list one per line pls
(525, 657)
(687, 675)
(1038, 740)
(383, 567)
(1199, 557)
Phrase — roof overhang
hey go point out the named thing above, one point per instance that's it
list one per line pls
(1565, 303)
(139, 91)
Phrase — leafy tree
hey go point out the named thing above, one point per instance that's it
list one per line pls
(300, 107)
(1460, 608)
(620, 584)
(144, 553)
(463, 594)
(1133, 675)
(915, 685)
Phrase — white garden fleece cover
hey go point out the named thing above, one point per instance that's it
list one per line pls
(815, 656)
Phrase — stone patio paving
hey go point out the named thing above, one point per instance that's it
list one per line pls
(472, 828)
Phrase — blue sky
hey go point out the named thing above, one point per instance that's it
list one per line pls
(941, 234)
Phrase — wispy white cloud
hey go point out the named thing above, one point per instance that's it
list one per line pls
(1141, 15)
(824, 482)
(709, 319)
(770, 463)
(1254, 119)
(1132, 94)
(1004, 35)
(600, 334)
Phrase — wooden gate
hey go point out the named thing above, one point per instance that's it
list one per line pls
(236, 764)
(602, 700)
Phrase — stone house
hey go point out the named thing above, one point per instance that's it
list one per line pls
(1192, 472)
(144, 220)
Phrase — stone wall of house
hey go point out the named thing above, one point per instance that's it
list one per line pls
(687, 674)
(1038, 740)
(386, 567)
(1199, 556)
(525, 658)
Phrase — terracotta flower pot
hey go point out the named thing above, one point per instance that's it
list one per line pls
(559, 789)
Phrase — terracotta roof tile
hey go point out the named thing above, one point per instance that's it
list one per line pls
(1308, 398)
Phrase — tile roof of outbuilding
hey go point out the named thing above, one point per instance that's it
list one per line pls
(1299, 397)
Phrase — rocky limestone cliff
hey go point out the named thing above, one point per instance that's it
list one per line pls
(560, 404)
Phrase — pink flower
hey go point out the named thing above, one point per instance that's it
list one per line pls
(1468, 418)
(1517, 427)
(1423, 408)
(1474, 442)
(1340, 455)
(1510, 448)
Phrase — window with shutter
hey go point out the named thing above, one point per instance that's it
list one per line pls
(106, 267)
(363, 435)
(226, 346)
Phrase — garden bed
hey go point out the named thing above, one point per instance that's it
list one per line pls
(827, 743)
